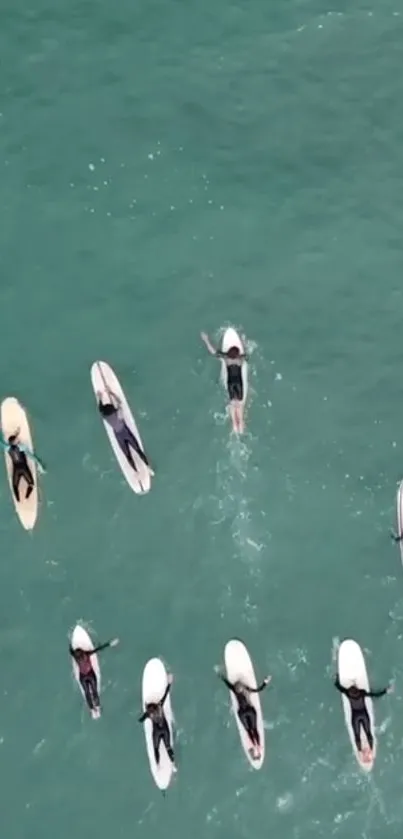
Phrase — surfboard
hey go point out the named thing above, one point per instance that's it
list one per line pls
(400, 516)
(14, 418)
(232, 339)
(80, 639)
(239, 668)
(104, 379)
(155, 680)
(352, 668)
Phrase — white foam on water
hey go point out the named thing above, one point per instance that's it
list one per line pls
(285, 802)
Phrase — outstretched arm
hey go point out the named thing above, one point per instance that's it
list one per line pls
(205, 338)
(226, 682)
(98, 649)
(339, 686)
(144, 716)
(116, 398)
(167, 689)
(261, 687)
(375, 694)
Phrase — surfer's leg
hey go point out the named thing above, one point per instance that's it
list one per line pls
(90, 688)
(254, 734)
(356, 720)
(248, 720)
(157, 737)
(86, 686)
(236, 412)
(135, 445)
(121, 437)
(127, 451)
(167, 742)
(16, 477)
(366, 724)
(29, 480)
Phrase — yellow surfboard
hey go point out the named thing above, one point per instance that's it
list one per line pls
(14, 419)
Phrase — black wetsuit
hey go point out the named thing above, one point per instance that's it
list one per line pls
(88, 679)
(155, 713)
(20, 470)
(234, 375)
(123, 433)
(359, 713)
(246, 712)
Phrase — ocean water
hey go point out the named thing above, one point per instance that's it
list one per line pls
(168, 168)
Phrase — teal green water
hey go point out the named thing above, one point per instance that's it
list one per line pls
(166, 168)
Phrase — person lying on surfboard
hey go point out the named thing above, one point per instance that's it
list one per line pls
(246, 712)
(233, 360)
(359, 714)
(18, 454)
(113, 416)
(154, 711)
(87, 676)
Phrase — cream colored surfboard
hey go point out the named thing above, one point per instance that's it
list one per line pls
(14, 419)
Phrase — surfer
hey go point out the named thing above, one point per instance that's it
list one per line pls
(233, 360)
(246, 712)
(88, 679)
(18, 454)
(113, 415)
(396, 537)
(154, 711)
(359, 714)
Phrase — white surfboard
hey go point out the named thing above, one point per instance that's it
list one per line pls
(104, 380)
(13, 419)
(239, 668)
(155, 680)
(232, 339)
(80, 640)
(400, 516)
(351, 668)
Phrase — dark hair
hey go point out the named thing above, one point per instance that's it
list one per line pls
(12, 438)
(233, 352)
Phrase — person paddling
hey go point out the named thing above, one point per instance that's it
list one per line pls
(233, 360)
(88, 679)
(246, 712)
(18, 454)
(154, 711)
(113, 415)
(359, 714)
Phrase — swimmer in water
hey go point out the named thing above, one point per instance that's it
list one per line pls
(359, 714)
(233, 360)
(246, 712)
(154, 711)
(18, 454)
(88, 679)
(113, 415)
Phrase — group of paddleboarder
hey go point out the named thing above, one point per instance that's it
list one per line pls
(154, 711)
(112, 412)
(109, 407)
